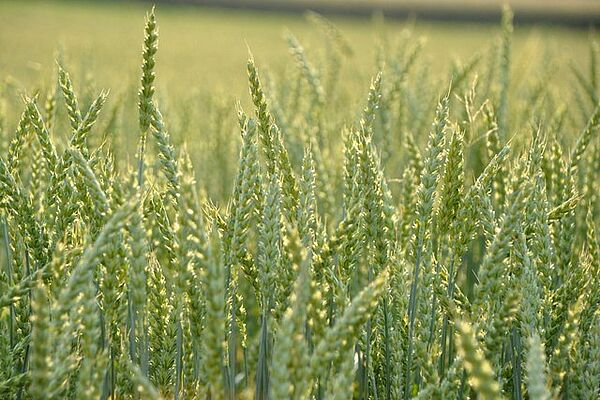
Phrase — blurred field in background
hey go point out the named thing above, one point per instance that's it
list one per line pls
(205, 49)
(581, 13)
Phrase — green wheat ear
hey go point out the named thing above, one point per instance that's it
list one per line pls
(41, 344)
(537, 382)
(66, 86)
(340, 335)
(146, 92)
(309, 73)
(214, 336)
(481, 375)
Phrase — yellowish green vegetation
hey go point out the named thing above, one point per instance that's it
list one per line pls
(205, 49)
(371, 220)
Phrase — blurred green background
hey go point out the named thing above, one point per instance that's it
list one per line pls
(205, 48)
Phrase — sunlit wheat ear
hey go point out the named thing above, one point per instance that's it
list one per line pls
(79, 137)
(591, 353)
(16, 144)
(66, 86)
(146, 92)
(214, 336)
(452, 181)
(37, 122)
(424, 207)
(90, 182)
(290, 372)
(481, 375)
(166, 154)
(41, 344)
(338, 336)
(537, 382)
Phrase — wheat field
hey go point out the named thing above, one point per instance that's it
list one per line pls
(432, 234)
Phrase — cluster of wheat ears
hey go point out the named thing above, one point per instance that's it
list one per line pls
(475, 274)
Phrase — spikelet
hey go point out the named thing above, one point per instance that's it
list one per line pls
(289, 377)
(561, 357)
(91, 257)
(214, 334)
(331, 30)
(308, 219)
(537, 385)
(41, 342)
(370, 111)
(433, 162)
(341, 385)
(591, 370)
(79, 138)
(266, 135)
(242, 197)
(270, 256)
(481, 376)
(499, 327)
(146, 92)
(532, 295)
(66, 86)
(337, 46)
(16, 144)
(94, 357)
(21, 209)
(422, 248)
(161, 329)
(452, 182)
(340, 336)
(166, 154)
(144, 388)
(138, 262)
(492, 266)
(541, 242)
(593, 299)
(91, 183)
(73, 310)
(37, 122)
